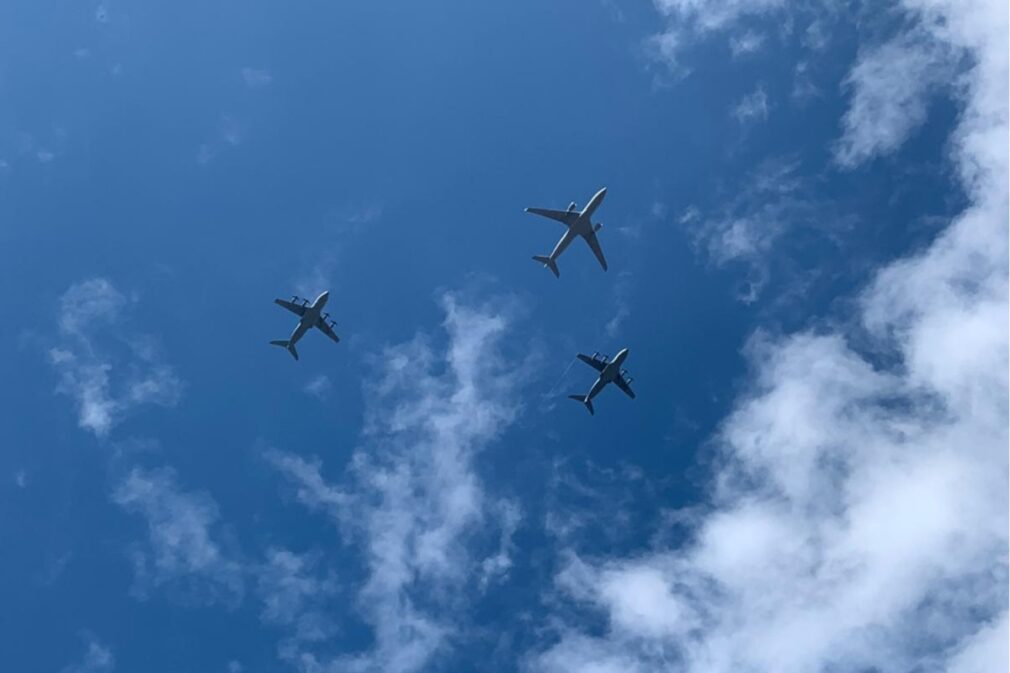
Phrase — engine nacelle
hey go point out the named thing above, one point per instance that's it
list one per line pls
(572, 207)
(598, 226)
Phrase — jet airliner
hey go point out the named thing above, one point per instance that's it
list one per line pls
(610, 372)
(310, 315)
(577, 223)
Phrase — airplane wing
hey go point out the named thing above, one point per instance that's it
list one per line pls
(623, 385)
(325, 328)
(595, 364)
(594, 243)
(562, 216)
(297, 309)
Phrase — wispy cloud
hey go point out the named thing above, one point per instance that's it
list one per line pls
(256, 78)
(890, 87)
(319, 386)
(622, 310)
(749, 42)
(496, 567)
(295, 597)
(412, 500)
(103, 364)
(691, 20)
(859, 512)
(745, 231)
(183, 553)
(753, 107)
(97, 659)
(230, 133)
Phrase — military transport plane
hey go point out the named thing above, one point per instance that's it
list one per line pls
(578, 223)
(311, 316)
(610, 372)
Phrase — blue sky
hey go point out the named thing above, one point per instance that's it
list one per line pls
(806, 230)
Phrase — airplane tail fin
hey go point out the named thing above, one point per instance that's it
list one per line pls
(585, 400)
(284, 343)
(549, 263)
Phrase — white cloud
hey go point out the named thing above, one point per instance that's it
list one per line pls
(710, 15)
(859, 512)
(690, 20)
(319, 386)
(230, 133)
(497, 566)
(621, 296)
(256, 78)
(753, 107)
(183, 553)
(773, 200)
(311, 487)
(985, 651)
(745, 44)
(107, 386)
(804, 88)
(890, 88)
(413, 501)
(294, 597)
(98, 659)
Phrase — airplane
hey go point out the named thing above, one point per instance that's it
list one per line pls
(311, 316)
(610, 372)
(578, 223)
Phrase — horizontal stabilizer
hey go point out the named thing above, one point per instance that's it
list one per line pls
(284, 343)
(585, 400)
(549, 263)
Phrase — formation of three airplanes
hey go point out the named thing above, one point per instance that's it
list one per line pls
(577, 223)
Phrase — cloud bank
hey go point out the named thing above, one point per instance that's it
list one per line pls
(106, 367)
(859, 510)
(412, 499)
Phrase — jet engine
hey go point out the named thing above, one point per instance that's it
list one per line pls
(598, 226)
(572, 207)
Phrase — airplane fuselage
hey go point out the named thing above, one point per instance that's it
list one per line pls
(609, 374)
(613, 368)
(310, 317)
(582, 226)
